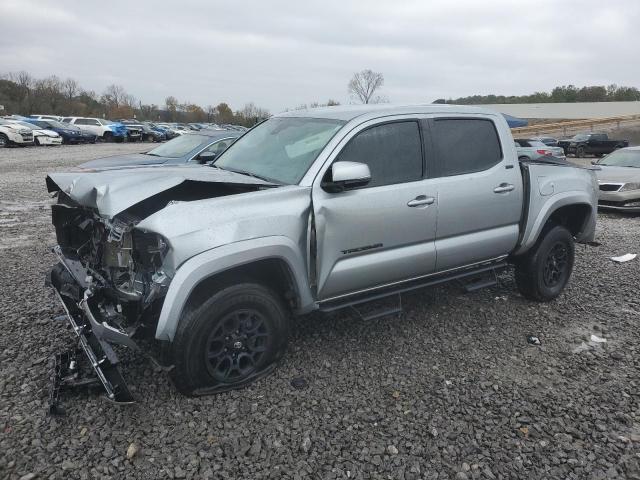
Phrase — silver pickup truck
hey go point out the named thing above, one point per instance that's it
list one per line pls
(312, 210)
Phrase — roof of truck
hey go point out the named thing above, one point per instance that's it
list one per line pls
(349, 112)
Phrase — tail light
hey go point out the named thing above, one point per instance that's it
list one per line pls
(545, 152)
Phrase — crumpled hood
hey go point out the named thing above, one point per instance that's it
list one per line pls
(113, 191)
(618, 174)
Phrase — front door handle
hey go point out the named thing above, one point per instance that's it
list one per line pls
(421, 200)
(503, 188)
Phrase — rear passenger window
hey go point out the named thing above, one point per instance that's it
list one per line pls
(392, 151)
(465, 145)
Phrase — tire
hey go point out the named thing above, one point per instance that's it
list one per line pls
(229, 340)
(544, 271)
(580, 152)
(4, 140)
(107, 137)
(36, 142)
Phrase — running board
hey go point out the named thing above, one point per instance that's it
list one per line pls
(334, 304)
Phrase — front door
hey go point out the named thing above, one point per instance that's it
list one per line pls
(384, 232)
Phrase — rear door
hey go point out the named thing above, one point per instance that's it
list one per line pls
(384, 232)
(479, 190)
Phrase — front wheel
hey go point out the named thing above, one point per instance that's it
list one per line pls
(229, 340)
(544, 271)
(4, 140)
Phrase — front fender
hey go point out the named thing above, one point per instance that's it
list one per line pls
(225, 257)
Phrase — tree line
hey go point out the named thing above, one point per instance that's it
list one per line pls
(23, 94)
(563, 94)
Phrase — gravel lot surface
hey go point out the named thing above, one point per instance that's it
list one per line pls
(451, 390)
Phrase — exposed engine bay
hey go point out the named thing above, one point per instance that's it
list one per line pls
(123, 263)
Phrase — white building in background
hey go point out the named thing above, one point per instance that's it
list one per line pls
(568, 110)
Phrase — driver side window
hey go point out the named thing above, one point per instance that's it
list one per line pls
(393, 152)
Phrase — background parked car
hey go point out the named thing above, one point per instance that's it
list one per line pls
(134, 130)
(151, 135)
(619, 180)
(40, 136)
(529, 149)
(168, 133)
(14, 134)
(548, 141)
(69, 133)
(597, 144)
(195, 148)
(106, 130)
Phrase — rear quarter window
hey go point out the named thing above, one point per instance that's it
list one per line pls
(464, 145)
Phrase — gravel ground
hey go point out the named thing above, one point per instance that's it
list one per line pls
(451, 390)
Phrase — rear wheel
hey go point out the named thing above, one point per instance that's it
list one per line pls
(580, 152)
(545, 270)
(229, 340)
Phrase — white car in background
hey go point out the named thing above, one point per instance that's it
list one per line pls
(103, 129)
(13, 134)
(41, 136)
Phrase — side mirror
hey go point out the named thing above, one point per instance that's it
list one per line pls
(347, 176)
(205, 157)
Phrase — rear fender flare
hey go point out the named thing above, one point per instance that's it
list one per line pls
(535, 228)
(217, 260)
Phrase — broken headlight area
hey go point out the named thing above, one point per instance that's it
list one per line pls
(110, 281)
(125, 264)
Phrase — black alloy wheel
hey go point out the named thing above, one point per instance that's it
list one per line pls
(237, 345)
(556, 263)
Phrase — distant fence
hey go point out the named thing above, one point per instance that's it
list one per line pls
(576, 126)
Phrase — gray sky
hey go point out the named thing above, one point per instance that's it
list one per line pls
(280, 54)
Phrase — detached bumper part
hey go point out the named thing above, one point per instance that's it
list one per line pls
(92, 336)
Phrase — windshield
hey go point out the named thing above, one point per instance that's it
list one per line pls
(28, 125)
(581, 137)
(622, 158)
(180, 146)
(281, 149)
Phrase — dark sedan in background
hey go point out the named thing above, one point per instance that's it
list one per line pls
(69, 133)
(619, 180)
(196, 148)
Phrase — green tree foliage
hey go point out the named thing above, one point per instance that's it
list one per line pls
(563, 94)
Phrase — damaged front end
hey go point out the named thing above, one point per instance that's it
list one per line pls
(110, 281)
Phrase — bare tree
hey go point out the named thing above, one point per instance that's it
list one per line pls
(114, 95)
(364, 85)
(171, 103)
(71, 88)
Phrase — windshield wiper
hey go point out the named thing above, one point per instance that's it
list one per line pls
(249, 174)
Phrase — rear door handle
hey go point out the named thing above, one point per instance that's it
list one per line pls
(503, 188)
(421, 200)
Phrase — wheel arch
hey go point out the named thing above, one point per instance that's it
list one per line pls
(574, 210)
(274, 261)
